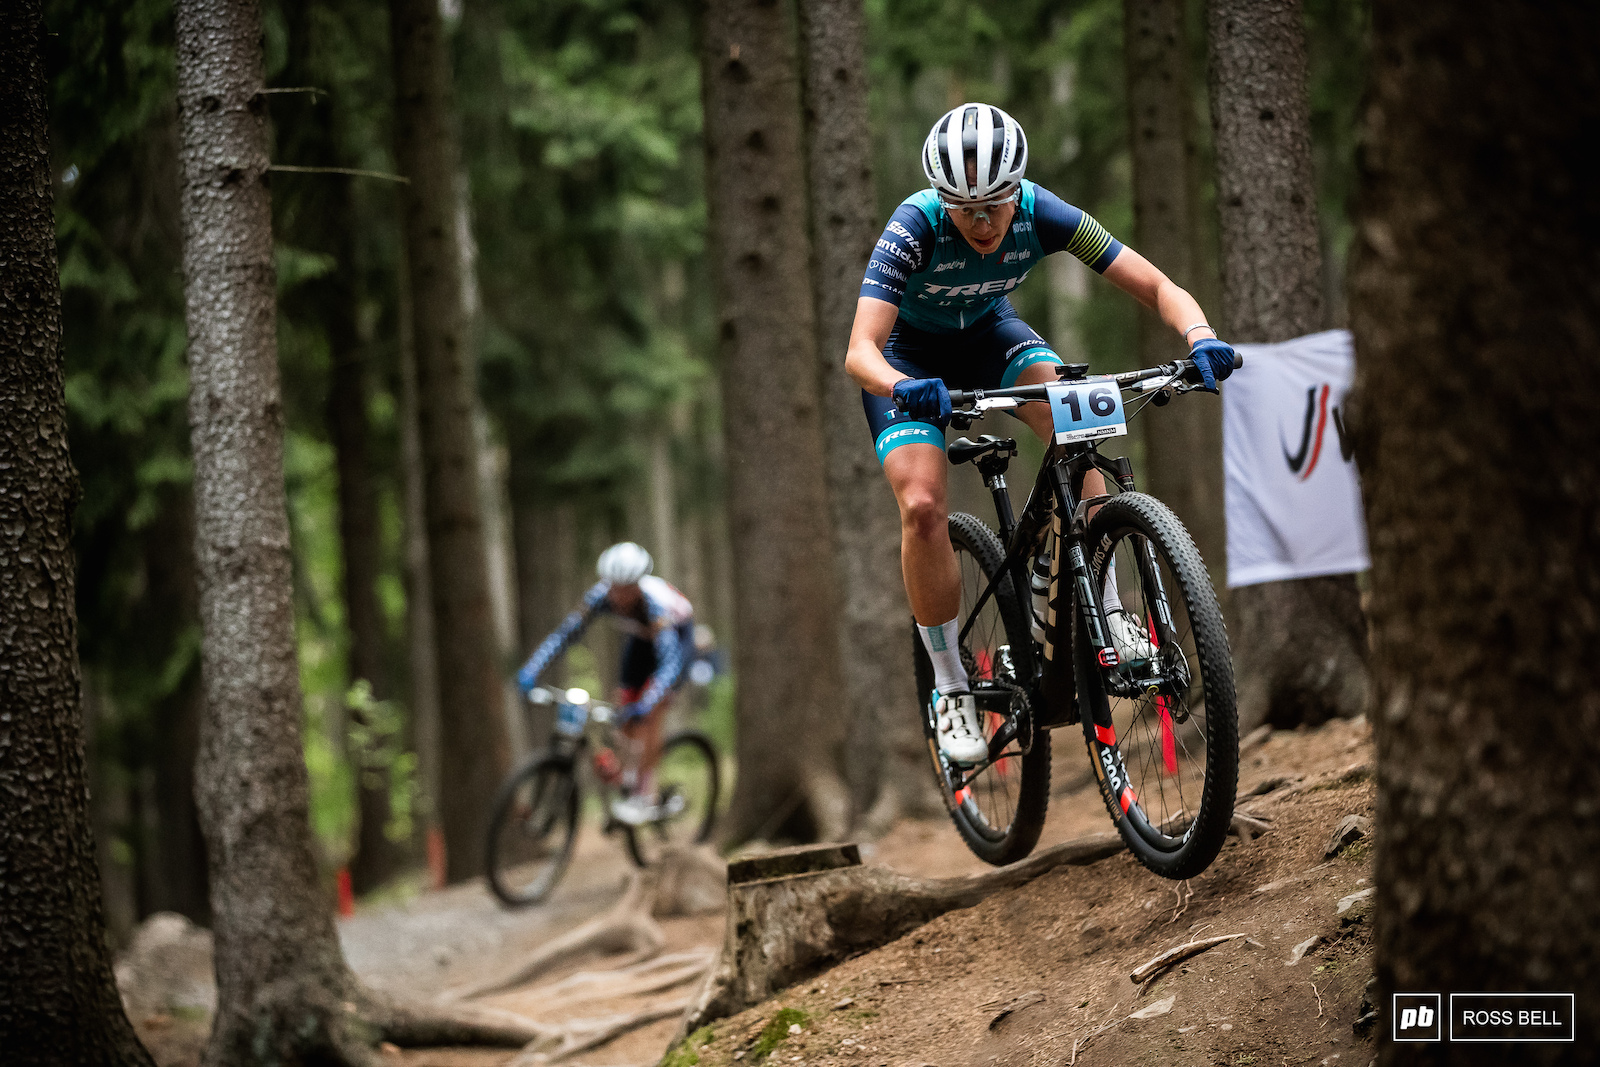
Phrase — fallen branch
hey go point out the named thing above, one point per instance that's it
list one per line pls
(1166, 959)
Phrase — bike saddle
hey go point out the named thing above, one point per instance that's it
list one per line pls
(965, 450)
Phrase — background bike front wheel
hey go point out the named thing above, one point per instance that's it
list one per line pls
(532, 830)
(688, 786)
(1000, 812)
(1168, 758)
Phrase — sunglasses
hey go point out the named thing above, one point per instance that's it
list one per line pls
(971, 208)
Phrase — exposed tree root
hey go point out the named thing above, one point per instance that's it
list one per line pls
(581, 1035)
(626, 927)
(787, 922)
(339, 1022)
(651, 976)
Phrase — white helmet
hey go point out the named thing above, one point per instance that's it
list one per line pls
(624, 563)
(980, 137)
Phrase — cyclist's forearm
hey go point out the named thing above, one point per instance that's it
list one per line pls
(864, 360)
(1145, 282)
(1180, 311)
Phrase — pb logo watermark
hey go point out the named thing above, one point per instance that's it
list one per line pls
(1417, 1017)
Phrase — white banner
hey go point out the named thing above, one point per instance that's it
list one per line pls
(1293, 499)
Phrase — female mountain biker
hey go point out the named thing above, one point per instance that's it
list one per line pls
(933, 315)
(659, 624)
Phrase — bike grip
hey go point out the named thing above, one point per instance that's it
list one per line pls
(960, 398)
(1238, 361)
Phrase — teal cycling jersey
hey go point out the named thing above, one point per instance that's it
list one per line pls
(942, 284)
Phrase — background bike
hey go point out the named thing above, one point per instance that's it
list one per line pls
(535, 821)
(1158, 716)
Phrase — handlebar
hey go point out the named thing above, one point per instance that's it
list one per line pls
(1182, 368)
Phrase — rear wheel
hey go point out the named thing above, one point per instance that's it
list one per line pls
(1166, 750)
(532, 830)
(1000, 810)
(686, 792)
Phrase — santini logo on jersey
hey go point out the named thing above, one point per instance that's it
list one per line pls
(998, 285)
(905, 235)
(1017, 257)
(952, 264)
(897, 252)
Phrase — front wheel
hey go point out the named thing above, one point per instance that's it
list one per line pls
(688, 784)
(1166, 747)
(999, 810)
(532, 830)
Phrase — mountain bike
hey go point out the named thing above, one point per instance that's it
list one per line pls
(534, 824)
(1160, 723)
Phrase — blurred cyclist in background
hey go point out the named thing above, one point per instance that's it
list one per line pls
(659, 645)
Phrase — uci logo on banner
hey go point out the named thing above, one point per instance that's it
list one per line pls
(1087, 410)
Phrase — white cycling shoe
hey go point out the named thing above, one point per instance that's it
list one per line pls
(960, 738)
(635, 810)
(1129, 637)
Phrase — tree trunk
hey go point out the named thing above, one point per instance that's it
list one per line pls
(1301, 645)
(422, 671)
(889, 758)
(275, 944)
(792, 723)
(474, 751)
(1183, 442)
(58, 999)
(1476, 314)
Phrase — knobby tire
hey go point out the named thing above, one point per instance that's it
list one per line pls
(1017, 798)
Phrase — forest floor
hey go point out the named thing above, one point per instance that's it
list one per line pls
(1036, 975)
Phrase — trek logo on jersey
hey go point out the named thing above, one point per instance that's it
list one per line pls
(953, 264)
(997, 285)
(897, 252)
(905, 235)
(1018, 256)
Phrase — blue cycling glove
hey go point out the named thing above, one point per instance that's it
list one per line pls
(1213, 359)
(927, 399)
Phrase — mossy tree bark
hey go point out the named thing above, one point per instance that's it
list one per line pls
(1476, 309)
(1183, 442)
(791, 705)
(889, 759)
(1300, 646)
(58, 999)
(474, 749)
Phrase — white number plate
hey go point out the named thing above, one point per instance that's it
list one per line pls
(1083, 411)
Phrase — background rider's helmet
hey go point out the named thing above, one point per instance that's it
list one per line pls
(977, 139)
(624, 563)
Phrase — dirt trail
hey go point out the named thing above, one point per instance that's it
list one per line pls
(1057, 951)
(1040, 975)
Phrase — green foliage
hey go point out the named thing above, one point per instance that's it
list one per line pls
(776, 1032)
(687, 1052)
(582, 120)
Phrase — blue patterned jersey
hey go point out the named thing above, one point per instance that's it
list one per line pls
(667, 616)
(925, 267)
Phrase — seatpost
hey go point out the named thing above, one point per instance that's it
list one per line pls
(993, 468)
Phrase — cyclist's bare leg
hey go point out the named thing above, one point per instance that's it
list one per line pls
(919, 476)
(644, 737)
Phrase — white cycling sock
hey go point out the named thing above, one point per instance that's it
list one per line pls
(1110, 599)
(949, 676)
